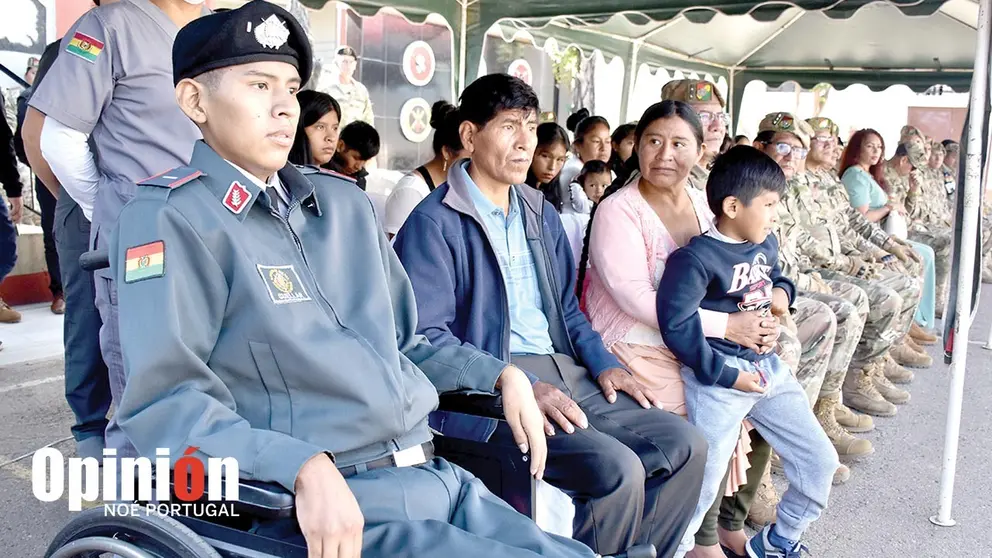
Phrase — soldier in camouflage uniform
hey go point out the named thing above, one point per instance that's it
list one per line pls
(927, 222)
(705, 99)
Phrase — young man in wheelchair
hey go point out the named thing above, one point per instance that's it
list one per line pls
(265, 317)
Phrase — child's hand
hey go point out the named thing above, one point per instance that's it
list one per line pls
(780, 302)
(750, 382)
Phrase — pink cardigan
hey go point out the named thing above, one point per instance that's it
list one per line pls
(627, 253)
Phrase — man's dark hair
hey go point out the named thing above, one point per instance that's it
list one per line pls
(902, 150)
(764, 137)
(739, 138)
(361, 137)
(489, 95)
(744, 173)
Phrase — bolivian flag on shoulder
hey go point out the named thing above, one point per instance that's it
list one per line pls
(85, 47)
(144, 262)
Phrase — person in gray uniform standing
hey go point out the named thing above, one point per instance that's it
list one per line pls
(265, 317)
(111, 120)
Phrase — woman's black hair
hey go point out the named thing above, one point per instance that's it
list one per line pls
(657, 111)
(617, 138)
(549, 134)
(445, 121)
(313, 106)
(581, 123)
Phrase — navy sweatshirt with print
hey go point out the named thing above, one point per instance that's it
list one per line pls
(723, 277)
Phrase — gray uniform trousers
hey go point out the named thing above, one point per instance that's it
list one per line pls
(634, 474)
(437, 509)
(110, 346)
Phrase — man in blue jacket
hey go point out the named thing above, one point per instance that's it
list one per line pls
(492, 269)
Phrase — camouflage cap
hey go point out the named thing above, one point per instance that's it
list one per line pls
(691, 91)
(937, 146)
(916, 153)
(909, 131)
(820, 123)
(953, 147)
(786, 122)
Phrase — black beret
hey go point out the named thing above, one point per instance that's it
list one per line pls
(256, 32)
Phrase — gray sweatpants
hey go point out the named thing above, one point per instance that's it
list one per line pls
(783, 417)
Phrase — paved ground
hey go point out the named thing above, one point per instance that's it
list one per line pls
(881, 513)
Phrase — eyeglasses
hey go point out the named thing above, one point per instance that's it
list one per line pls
(708, 117)
(784, 149)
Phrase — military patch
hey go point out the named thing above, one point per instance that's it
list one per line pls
(782, 121)
(85, 47)
(283, 284)
(701, 91)
(237, 197)
(146, 261)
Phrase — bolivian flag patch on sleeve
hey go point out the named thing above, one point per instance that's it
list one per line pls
(85, 47)
(144, 262)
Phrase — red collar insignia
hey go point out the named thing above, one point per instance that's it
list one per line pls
(236, 198)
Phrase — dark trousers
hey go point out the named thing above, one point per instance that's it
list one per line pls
(47, 202)
(8, 242)
(634, 475)
(87, 387)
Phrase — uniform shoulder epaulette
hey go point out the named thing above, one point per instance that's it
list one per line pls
(311, 169)
(172, 178)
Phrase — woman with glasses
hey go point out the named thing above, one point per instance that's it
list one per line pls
(862, 172)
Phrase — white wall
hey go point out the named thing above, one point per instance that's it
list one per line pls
(852, 108)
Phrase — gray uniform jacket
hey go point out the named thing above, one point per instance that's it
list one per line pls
(269, 339)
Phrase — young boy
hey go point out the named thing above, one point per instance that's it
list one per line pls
(734, 267)
(357, 145)
(589, 185)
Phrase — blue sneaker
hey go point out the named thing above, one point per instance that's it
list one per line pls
(759, 546)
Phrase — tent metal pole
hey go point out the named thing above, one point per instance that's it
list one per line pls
(629, 93)
(972, 185)
(463, 47)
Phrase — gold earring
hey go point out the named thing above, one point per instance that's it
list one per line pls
(445, 168)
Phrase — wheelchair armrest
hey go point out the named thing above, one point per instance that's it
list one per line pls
(487, 406)
(265, 499)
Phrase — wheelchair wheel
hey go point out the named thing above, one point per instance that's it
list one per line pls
(144, 535)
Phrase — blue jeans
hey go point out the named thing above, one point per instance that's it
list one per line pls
(8, 242)
(926, 311)
(87, 389)
(783, 417)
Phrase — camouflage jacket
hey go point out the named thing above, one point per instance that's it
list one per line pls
(864, 236)
(698, 177)
(800, 221)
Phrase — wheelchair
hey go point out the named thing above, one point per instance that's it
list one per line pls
(150, 534)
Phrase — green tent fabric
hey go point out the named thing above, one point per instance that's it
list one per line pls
(879, 43)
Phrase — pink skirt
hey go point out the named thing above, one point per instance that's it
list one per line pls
(659, 371)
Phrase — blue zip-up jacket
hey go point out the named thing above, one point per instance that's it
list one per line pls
(461, 297)
(723, 277)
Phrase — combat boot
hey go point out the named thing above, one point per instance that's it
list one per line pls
(909, 358)
(860, 394)
(921, 336)
(855, 423)
(847, 446)
(8, 315)
(891, 393)
(895, 373)
(765, 501)
(917, 348)
(841, 475)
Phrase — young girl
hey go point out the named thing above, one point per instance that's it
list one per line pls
(589, 186)
(317, 130)
(549, 157)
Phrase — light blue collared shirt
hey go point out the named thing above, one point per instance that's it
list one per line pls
(529, 326)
